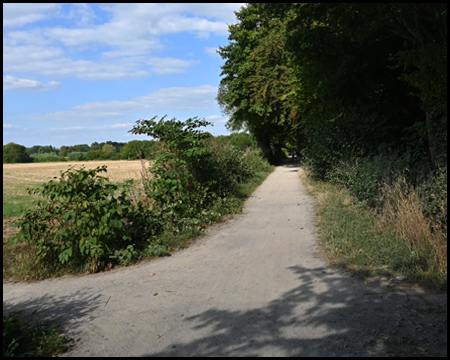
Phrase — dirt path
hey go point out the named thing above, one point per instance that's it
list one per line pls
(252, 287)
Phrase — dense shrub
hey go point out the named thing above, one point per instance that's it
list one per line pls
(192, 170)
(84, 221)
(433, 197)
(97, 155)
(228, 167)
(77, 156)
(47, 157)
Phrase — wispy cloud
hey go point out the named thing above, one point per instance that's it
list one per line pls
(11, 83)
(168, 99)
(211, 51)
(218, 119)
(18, 14)
(93, 128)
(125, 41)
(10, 126)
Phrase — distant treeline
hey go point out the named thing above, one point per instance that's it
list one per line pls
(109, 150)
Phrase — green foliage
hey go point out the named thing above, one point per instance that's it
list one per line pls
(193, 171)
(337, 79)
(229, 167)
(44, 149)
(257, 79)
(109, 149)
(81, 148)
(97, 155)
(178, 186)
(137, 149)
(47, 157)
(15, 153)
(433, 196)
(77, 156)
(21, 339)
(84, 221)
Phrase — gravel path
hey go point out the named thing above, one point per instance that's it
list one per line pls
(253, 286)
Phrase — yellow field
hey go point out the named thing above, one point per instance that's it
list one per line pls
(17, 178)
(43, 172)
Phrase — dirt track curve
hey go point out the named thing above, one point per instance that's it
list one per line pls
(253, 286)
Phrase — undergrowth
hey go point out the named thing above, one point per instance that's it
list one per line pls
(24, 337)
(83, 223)
(397, 239)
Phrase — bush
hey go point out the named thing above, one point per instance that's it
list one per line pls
(47, 157)
(84, 221)
(97, 155)
(227, 166)
(193, 173)
(433, 198)
(15, 153)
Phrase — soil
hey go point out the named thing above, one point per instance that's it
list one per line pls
(253, 286)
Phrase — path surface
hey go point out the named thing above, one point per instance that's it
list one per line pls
(253, 286)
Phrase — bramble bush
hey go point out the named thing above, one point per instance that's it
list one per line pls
(84, 220)
(192, 170)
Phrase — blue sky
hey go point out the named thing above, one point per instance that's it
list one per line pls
(79, 73)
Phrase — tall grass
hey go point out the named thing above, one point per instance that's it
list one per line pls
(397, 239)
(424, 237)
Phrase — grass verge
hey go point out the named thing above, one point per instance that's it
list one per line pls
(355, 238)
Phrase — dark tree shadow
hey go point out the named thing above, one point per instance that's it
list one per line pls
(63, 312)
(340, 321)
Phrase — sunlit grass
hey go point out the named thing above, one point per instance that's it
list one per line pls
(355, 238)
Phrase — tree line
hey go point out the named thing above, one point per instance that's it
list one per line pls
(109, 150)
(339, 80)
(112, 150)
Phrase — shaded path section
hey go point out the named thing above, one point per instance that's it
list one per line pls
(252, 287)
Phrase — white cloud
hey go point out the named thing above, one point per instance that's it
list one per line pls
(125, 40)
(211, 51)
(165, 66)
(92, 128)
(77, 116)
(166, 100)
(214, 117)
(11, 83)
(20, 14)
(10, 126)
(217, 119)
(50, 61)
(83, 13)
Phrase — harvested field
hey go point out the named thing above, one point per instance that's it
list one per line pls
(18, 177)
(43, 172)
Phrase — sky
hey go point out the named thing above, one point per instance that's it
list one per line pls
(80, 73)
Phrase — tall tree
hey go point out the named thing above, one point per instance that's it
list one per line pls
(257, 77)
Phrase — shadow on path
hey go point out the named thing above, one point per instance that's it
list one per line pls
(335, 320)
(67, 313)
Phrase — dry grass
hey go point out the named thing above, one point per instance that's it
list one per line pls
(396, 240)
(18, 177)
(402, 207)
(42, 172)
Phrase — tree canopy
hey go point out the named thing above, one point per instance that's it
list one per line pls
(15, 153)
(338, 79)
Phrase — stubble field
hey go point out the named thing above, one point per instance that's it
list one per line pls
(18, 177)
